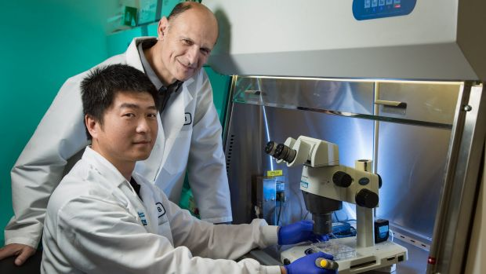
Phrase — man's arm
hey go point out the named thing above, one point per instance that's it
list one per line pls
(206, 164)
(98, 235)
(218, 241)
(40, 167)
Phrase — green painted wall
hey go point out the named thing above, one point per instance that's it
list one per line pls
(43, 43)
(220, 84)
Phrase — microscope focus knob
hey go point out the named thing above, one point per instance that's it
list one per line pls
(342, 179)
(366, 198)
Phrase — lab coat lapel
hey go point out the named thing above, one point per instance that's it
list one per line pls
(132, 56)
(174, 118)
(137, 205)
(112, 179)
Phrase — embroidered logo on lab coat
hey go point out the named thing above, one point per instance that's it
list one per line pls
(188, 119)
(160, 209)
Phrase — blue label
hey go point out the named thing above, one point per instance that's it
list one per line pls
(142, 218)
(304, 184)
(364, 181)
(383, 231)
(366, 9)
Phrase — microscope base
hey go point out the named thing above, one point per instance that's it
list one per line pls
(352, 259)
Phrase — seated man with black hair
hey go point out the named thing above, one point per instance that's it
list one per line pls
(105, 218)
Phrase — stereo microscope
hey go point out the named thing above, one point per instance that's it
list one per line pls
(325, 184)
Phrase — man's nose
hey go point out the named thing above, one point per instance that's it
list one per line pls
(193, 56)
(143, 125)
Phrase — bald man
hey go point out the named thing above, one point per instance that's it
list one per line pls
(188, 137)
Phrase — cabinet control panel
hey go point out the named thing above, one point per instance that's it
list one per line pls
(373, 9)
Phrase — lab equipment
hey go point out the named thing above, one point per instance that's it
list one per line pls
(270, 198)
(326, 264)
(383, 62)
(382, 230)
(338, 250)
(325, 184)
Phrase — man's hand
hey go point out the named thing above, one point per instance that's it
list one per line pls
(23, 252)
(298, 232)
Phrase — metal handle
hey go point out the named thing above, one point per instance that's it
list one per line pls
(396, 104)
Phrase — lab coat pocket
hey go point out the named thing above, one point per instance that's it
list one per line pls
(176, 162)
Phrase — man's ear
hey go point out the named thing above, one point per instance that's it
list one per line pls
(162, 28)
(92, 125)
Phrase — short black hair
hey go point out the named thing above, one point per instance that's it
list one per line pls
(99, 88)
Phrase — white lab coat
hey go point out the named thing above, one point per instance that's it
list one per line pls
(96, 223)
(189, 137)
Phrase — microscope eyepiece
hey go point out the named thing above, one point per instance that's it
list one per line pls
(285, 153)
(270, 148)
(280, 151)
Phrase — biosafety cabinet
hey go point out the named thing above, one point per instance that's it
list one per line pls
(396, 82)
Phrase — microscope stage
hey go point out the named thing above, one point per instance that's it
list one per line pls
(352, 259)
